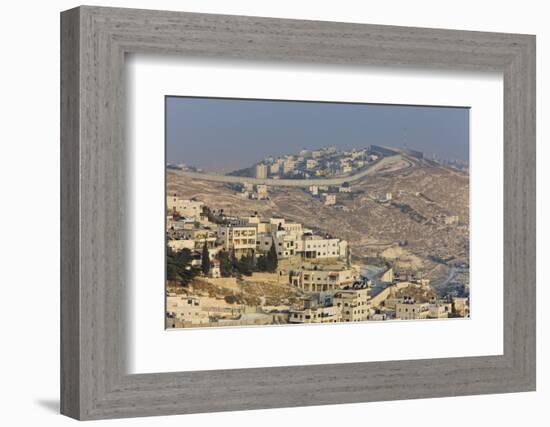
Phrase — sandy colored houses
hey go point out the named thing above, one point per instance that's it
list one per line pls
(354, 303)
(330, 199)
(178, 245)
(261, 171)
(460, 306)
(347, 168)
(292, 227)
(200, 236)
(411, 310)
(319, 314)
(184, 207)
(314, 190)
(286, 244)
(261, 190)
(440, 310)
(289, 165)
(240, 239)
(215, 271)
(314, 247)
(310, 164)
(186, 309)
(311, 280)
(450, 219)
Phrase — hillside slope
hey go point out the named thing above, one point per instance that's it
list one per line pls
(409, 229)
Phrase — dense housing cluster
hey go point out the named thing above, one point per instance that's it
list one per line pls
(322, 163)
(216, 261)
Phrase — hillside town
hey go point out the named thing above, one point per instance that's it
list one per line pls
(325, 162)
(260, 268)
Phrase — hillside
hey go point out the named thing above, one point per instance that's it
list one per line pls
(409, 228)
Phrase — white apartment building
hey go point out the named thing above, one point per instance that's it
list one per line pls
(261, 171)
(286, 244)
(241, 239)
(314, 247)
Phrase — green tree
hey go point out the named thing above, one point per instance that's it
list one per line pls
(261, 263)
(234, 261)
(245, 265)
(205, 259)
(271, 258)
(178, 266)
(226, 267)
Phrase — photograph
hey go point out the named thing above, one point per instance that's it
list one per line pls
(295, 212)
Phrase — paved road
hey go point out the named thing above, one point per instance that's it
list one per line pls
(450, 276)
(292, 182)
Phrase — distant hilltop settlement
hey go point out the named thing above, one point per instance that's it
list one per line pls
(322, 163)
(225, 270)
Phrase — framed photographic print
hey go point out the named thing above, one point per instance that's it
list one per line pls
(277, 212)
(262, 213)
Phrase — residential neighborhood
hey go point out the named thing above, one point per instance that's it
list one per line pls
(297, 212)
(214, 262)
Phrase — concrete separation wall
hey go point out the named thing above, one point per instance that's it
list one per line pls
(290, 182)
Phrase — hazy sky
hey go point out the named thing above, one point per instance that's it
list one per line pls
(228, 134)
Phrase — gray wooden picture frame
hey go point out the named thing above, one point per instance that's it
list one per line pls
(94, 382)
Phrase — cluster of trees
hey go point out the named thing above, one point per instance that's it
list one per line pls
(230, 265)
(178, 266)
(268, 262)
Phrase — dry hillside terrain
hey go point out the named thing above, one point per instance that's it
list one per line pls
(409, 229)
